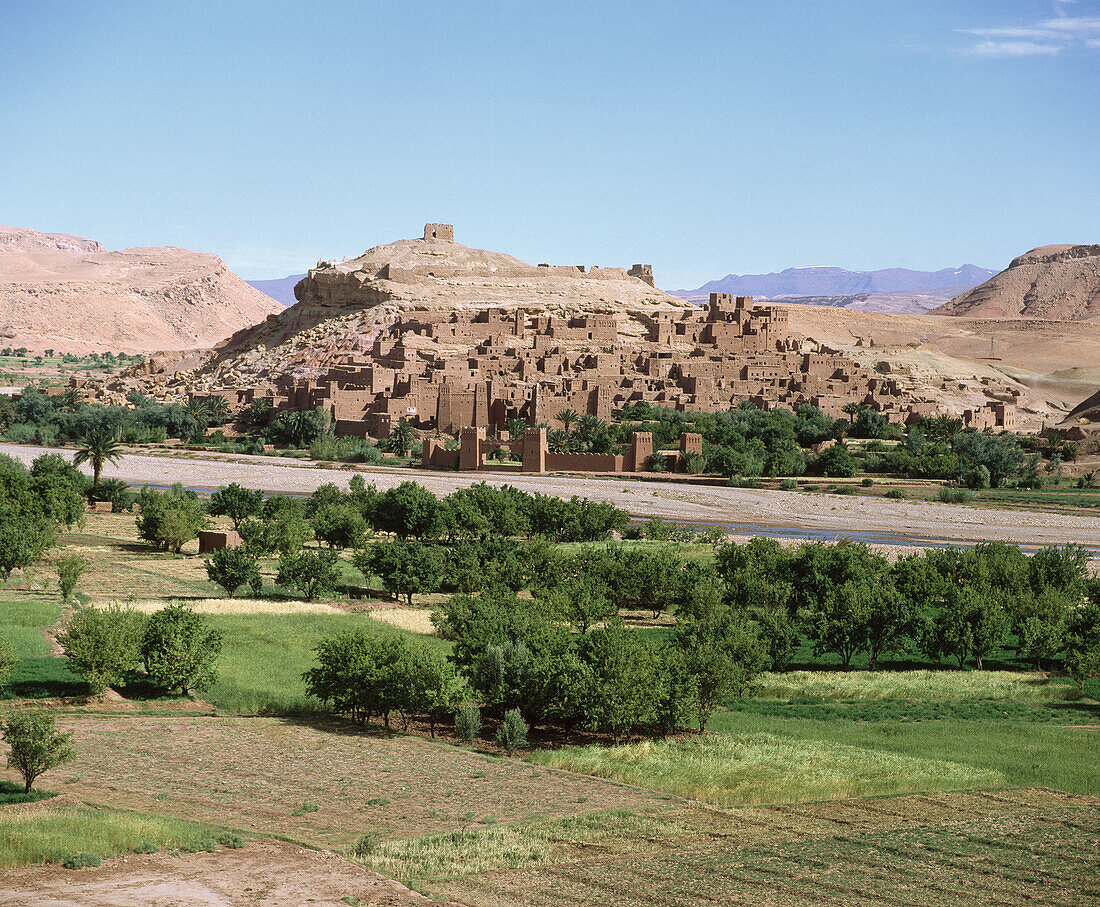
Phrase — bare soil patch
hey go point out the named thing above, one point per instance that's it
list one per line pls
(270, 872)
(323, 783)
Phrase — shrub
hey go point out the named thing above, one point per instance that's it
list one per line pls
(467, 722)
(789, 485)
(512, 733)
(896, 494)
(232, 568)
(951, 495)
(36, 745)
(146, 847)
(367, 846)
(103, 644)
(867, 482)
(230, 840)
(70, 567)
(180, 651)
(81, 860)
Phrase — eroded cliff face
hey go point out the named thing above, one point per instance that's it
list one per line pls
(76, 297)
(1057, 283)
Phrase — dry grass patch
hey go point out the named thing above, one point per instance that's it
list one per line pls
(764, 768)
(415, 620)
(920, 685)
(236, 606)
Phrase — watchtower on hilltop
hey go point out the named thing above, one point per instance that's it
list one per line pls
(439, 231)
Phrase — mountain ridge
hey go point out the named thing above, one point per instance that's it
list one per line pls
(828, 280)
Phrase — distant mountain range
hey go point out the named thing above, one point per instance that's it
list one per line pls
(830, 281)
(281, 290)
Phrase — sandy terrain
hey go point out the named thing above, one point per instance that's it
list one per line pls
(268, 872)
(772, 512)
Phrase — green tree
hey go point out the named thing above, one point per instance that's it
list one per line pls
(362, 675)
(431, 686)
(567, 417)
(622, 694)
(406, 568)
(180, 650)
(102, 644)
(36, 745)
(237, 503)
(972, 623)
(310, 573)
(282, 528)
(401, 438)
(232, 568)
(408, 510)
(723, 656)
(339, 526)
(170, 519)
(98, 448)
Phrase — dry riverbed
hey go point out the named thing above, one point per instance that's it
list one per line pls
(739, 510)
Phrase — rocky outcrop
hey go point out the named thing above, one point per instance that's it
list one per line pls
(1057, 283)
(20, 239)
(83, 300)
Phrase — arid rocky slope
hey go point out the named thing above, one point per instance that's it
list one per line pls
(69, 294)
(344, 307)
(1055, 283)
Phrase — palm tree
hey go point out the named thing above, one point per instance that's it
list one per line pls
(401, 438)
(567, 417)
(100, 447)
(557, 441)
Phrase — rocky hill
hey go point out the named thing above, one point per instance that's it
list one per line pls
(344, 307)
(20, 239)
(69, 294)
(1056, 283)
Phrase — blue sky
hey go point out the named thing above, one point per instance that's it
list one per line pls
(700, 137)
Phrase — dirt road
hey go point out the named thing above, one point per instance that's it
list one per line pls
(741, 510)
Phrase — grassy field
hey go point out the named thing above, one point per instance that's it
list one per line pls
(264, 655)
(48, 833)
(756, 768)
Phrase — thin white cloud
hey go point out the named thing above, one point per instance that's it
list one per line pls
(1044, 38)
(1014, 49)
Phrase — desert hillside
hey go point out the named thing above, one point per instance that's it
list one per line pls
(69, 294)
(1054, 283)
(20, 239)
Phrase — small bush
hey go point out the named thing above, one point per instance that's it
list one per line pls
(81, 860)
(789, 485)
(845, 489)
(209, 845)
(867, 482)
(949, 495)
(306, 807)
(368, 845)
(70, 567)
(378, 801)
(896, 494)
(467, 722)
(230, 840)
(512, 733)
(146, 847)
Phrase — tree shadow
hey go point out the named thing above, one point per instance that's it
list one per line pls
(45, 677)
